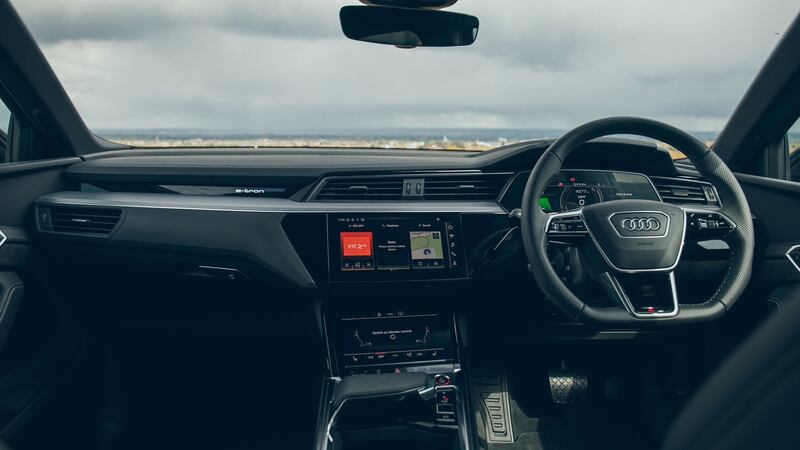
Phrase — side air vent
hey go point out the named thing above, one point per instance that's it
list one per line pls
(681, 191)
(361, 189)
(476, 187)
(79, 220)
(472, 186)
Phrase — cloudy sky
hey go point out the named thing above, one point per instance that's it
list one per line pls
(284, 65)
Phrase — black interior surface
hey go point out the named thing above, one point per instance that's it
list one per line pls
(170, 351)
(174, 355)
(198, 297)
(191, 375)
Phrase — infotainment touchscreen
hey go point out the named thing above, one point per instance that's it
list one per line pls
(386, 248)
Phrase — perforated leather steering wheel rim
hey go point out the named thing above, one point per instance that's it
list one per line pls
(734, 206)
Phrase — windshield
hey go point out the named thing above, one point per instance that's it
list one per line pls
(281, 73)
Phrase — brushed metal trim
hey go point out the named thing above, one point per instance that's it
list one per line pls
(258, 205)
(626, 302)
(788, 255)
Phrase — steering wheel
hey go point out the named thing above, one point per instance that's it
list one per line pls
(634, 246)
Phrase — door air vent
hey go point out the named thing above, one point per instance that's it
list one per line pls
(473, 186)
(79, 220)
(682, 191)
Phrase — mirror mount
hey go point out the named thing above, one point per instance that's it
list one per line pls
(429, 4)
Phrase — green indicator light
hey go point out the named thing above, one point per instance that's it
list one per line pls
(544, 203)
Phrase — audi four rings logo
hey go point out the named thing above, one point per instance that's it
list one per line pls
(640, 224)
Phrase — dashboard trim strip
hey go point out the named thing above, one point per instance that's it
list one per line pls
(259, 205)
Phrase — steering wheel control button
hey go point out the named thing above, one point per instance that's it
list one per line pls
(567, 225)
(708, 224)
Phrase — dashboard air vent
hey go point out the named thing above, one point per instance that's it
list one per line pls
(361, 189)
(476, 187)
(83, 220)
(473, 186)
(681, 191)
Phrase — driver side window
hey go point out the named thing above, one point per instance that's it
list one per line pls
(5, 121)
(793, 142)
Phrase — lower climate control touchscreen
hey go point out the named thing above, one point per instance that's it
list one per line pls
(390, 341)
(380, 248)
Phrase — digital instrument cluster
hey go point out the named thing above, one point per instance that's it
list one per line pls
(574, 189)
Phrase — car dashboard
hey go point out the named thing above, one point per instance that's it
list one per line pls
(336, 221)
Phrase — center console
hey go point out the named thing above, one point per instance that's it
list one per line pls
(395, 370)
(396, 377)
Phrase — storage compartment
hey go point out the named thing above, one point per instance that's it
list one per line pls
(398, 438)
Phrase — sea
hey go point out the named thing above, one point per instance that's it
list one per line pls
(433, 138)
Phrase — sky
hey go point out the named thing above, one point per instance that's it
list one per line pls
(284, 65)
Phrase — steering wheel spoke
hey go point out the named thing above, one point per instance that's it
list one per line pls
(643, 296)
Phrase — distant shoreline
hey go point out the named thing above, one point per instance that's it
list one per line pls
(432, 139)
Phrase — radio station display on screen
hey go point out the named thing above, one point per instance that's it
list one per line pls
(375, 244)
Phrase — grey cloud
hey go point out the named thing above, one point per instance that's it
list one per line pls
(283, 65)
(96, 20)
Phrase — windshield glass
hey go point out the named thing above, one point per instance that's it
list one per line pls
(281, 73)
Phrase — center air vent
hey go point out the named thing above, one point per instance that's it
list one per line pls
(78, 220)
(432, 187)
(681, 191)
(361, 189)
(476, 187)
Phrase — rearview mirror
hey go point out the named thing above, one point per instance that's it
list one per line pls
(408, 28)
